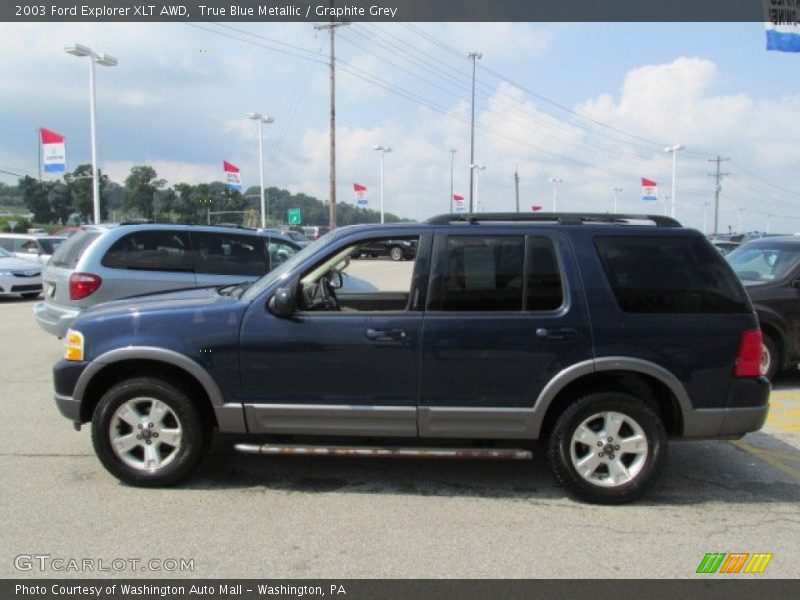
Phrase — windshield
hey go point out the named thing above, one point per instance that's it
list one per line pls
(5, 254)
(50, 244)
(278, 272)
(761, 264)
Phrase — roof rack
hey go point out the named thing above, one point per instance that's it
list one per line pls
(561, 218)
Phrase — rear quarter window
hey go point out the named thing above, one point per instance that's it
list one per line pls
(69, 253)
(669, 275)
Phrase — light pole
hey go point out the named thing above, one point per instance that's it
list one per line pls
(473, 56)
(741, 223)
(706, 204)
(105, 60)
(452, 168)
(383, 150)
(674, 149)
(555, 181)
(476, 169)
(616, 191)
(261, 119)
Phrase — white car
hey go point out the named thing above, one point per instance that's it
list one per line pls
(19, 277)
(31, 247)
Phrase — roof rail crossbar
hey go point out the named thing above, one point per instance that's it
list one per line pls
(561, 218)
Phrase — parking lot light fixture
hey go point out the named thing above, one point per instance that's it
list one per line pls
(104, 60)
(674, 149)
(261, 119)
(475, 168)
(555, 181)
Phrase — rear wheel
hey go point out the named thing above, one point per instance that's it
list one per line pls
(770, 358)
(147, 432)
(607, 448)
(396, 253)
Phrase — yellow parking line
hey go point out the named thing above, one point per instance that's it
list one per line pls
(771, 458)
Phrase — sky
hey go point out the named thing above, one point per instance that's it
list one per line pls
(591, 104)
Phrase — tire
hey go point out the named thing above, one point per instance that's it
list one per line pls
(176, 440)
(770, 358)
(581, 433)
(396, 253)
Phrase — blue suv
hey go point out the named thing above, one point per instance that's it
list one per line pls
(602, 335)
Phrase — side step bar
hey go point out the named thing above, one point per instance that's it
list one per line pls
(384, 451)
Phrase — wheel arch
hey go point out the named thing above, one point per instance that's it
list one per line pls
(643, 379)
(126, 363)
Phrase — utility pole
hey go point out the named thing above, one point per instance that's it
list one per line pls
(719, 177)
(516, 185)
(473, 56)
(452, 170)
(331, 27)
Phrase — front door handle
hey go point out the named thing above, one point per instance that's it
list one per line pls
(563, 333)
(386, 335)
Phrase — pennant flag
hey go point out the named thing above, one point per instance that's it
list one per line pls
(460, 206)
(458, 197)
(649, 190)
(783, 25)
(361, 194)
(54, 156)
(232, 176)
(536, 208)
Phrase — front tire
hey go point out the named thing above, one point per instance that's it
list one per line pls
(147, 432)
(607, 448)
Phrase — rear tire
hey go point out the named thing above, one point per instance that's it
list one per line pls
(607, 448)
(396, 253)
(147, 432)
(770, 358)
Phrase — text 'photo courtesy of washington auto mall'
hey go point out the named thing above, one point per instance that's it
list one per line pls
(368, 299)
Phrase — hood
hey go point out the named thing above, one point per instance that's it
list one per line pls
(162, 301)
(18, 264)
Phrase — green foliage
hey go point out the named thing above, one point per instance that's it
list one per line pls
(140, 191)
(22, 225)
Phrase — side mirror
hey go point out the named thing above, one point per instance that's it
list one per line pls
(282, 303)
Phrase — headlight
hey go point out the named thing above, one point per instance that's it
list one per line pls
(5, 273)
(73, 345)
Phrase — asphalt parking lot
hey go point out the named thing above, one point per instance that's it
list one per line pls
(244, 516)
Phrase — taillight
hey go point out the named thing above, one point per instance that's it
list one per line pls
(748, 362)
(82, 285)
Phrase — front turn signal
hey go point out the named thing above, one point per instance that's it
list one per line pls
(73, 345)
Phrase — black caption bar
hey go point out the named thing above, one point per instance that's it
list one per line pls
(700, 588)
(387, 10)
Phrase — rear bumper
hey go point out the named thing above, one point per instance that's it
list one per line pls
(54, 320)
(746, 411)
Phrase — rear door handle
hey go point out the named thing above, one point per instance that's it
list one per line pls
(563, 333)
(386, 335)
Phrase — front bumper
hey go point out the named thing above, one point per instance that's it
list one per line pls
(65, 377)
(53, 320)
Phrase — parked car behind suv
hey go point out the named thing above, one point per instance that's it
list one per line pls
(19, 277)
(394, 249)
(33, 247)
(99, 264)
(770, 270)
(602, 335)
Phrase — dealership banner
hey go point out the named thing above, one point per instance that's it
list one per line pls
(233, 176)
(458, 204)
(783, 25)
(649, 190)
(361, 194)
(54, 155)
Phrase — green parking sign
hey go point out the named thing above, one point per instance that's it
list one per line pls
(293, 216)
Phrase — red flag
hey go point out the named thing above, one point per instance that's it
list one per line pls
(357, 187)
(50, 137)
(536, 208)
(648, 183)
(229, 168)
(458, 197)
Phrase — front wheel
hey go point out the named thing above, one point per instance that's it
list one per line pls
(147, 432)
(607, 448)
(396, 253)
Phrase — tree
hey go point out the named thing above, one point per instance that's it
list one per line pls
(140, 189)
(80, 188)
(34, 194)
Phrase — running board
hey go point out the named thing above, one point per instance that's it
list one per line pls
(387, 452)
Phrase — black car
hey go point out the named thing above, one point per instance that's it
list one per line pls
(770, 269)
(601, 335)
(394, 249)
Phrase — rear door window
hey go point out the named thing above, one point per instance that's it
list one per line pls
(669, 275)
(151, 250)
